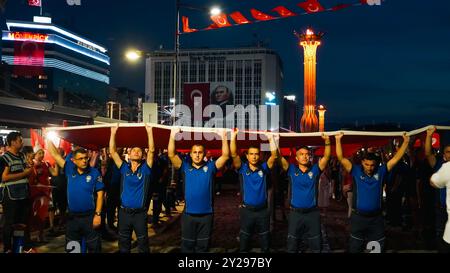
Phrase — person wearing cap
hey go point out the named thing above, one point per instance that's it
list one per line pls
(255, 185)
(134, 196)
(367, 223)
(303, 192)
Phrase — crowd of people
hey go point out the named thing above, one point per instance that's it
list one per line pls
(107, 193)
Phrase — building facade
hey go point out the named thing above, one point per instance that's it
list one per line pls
(250, 73)
(54, 64)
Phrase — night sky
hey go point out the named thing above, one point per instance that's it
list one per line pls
(376, 64)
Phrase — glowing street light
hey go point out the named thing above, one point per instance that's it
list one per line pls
(133, 55)
(215, 11)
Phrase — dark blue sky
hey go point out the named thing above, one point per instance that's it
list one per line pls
(386, 63)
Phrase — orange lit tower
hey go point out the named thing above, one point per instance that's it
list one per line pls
(322, 111)
(309, 41)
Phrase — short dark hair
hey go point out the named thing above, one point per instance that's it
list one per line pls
(79, 151)
(253, 147)
(12, 137)
(371, 156)
(302, 147)
(200, 145)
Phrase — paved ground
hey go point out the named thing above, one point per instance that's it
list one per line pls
(335, 230)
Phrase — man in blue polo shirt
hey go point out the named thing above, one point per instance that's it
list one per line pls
(441, 194)
(303, 192)
(367, 221)
(136, 179)
(254, 180)
(83, 183)
(198, 176)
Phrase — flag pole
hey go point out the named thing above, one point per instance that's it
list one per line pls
(41, 6)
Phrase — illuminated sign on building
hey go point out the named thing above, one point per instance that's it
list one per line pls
(21, 36)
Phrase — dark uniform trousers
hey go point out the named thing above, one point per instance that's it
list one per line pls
(129, 220)
(366, 228)
(196, 232)
(16, 212)
(252, 218)
(303, 222)
(80, 226)
(441, 221)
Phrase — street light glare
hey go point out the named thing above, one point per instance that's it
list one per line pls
(132, 55)
(215, 11)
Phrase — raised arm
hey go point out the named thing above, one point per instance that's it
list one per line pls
(55, 154)
(112, 147)
(399, 154)
(54, 171)
(151, 145)
(323, 162)
(222, 160)
(273, 143)
(340, 155)
(431, 158)
(171, 152)
(233, 150)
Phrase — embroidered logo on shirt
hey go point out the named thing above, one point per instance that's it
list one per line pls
(310, 174)
(205, 169)
(376, 177)
(261, 173)
(88, 178)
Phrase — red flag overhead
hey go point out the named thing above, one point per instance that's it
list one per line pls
(220, 20)
(186, 25)
(239, 18)
(311, 6)
(284, 12)
(340, 6)
(35, 3)
(258, 15)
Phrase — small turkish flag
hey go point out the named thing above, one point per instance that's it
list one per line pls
(311, 6)
(34, 3)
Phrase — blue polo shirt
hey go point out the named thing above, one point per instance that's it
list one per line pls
(442, 198)
(368, 190)
(198, 187)
(304, 186)
(82, 187)
(135, 185)
(254, 184)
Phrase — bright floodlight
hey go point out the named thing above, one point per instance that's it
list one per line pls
(53, 137)
(215, 11)
(132, 55)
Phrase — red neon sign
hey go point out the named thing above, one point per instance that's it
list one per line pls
(28, 36)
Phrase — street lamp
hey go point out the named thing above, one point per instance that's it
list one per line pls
(214, 11)
(133, 55)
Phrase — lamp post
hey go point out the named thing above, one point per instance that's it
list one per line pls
(175, 65)
(134, 55)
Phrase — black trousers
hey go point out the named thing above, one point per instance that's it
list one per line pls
(196, 232)
(441, 221)
(80, 226)
(251, 220)
(133, 220)
(366, 229)
(301, 224)
(112, 204)
(16, 212)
